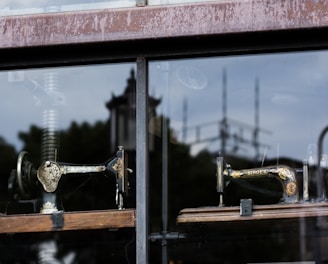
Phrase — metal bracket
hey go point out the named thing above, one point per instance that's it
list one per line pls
(246, 207)
(57, 220)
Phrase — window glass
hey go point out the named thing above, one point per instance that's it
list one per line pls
(66, 124)
(257, 113)
(168, 2)
(23, 7)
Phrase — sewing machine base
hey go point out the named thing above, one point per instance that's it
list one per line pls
(259, 212)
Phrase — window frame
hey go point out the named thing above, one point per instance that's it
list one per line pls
(223, 28)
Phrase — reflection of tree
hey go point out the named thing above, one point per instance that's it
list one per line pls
(85, 143)
(32, 142)
(82, 143)
(7, 162)
(192, 179)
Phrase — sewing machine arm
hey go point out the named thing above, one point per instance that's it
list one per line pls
(285, 174)
(49, 174)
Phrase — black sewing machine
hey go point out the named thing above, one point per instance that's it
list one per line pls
(286, 175)
(25, 179)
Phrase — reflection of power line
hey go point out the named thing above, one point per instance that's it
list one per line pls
(227, 130)
(257, 120)
(217, 126)
(224, 128)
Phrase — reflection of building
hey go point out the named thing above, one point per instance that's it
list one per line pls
(122, 120)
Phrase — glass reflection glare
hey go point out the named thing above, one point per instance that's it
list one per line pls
(77, 115)
(206, 93)
(24, 7)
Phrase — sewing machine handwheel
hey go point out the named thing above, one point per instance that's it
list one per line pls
(23, 168)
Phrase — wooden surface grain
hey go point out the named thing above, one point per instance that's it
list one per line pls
(71, 221)
(260, 212)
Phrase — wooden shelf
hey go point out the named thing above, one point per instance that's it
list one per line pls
(260, 212)
(110, 219)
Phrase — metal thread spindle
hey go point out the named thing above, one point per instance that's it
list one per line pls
(49, 133)
(49, 144)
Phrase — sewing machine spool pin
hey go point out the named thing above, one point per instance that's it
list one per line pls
(305, 181)
(220, 179)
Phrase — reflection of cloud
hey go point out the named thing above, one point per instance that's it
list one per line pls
(22, 3)
(18, 7)
(81, 96)
(295, 112)
(292, 96)
(191, 77)
(195, 149)
(284, 99)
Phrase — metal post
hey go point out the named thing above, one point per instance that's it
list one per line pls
(165, 155)
(321, 189)
(142, 162)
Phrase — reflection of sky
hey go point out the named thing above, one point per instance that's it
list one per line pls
(81, 94)
(19, 7)
(293, 92)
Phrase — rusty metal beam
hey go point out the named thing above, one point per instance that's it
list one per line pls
(158, 22)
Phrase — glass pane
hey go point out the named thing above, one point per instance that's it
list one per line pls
(75, 115)
(61, 129)
(23, 7)
(169, 2)
(257, 113)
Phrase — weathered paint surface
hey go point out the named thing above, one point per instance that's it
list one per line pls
(211, 18)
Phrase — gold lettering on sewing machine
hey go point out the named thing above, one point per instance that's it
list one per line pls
(257, 172)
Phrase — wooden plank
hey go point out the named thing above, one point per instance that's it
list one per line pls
(72, 221)
(260, 212)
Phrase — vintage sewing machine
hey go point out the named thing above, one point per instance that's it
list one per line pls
(26, 177)
(286, 175)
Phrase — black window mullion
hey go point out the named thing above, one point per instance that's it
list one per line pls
(142, 162)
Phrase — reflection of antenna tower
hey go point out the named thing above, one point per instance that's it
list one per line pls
(257, 121)
(226, 125)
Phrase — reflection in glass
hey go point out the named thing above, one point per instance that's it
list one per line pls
(78, 115)
(278, 96)
(67, 116)
(24, 7)
(254, 111)
(167, 2)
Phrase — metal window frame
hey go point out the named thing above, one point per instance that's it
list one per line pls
(195, 29)
(160, 32)
(142, 161)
